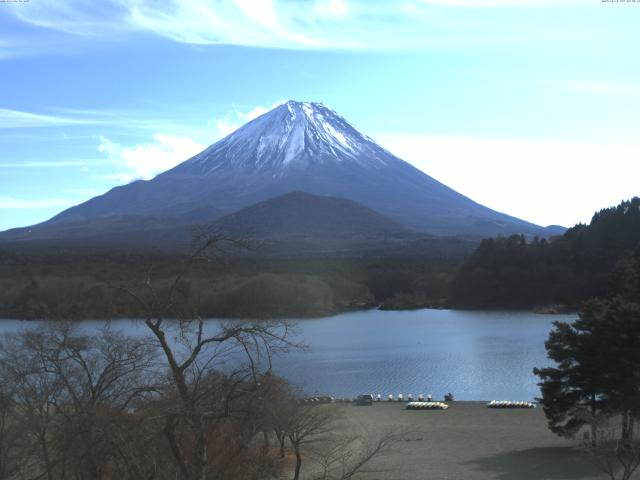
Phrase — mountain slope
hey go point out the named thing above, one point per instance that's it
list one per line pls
(295, 147)
(300, 214)
(293, 225)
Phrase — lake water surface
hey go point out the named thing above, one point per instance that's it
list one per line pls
(476, 355)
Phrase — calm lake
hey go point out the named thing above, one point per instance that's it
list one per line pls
(475, 355)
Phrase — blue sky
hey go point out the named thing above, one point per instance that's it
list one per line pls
(529, 107)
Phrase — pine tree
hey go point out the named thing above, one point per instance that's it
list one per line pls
(598, 369)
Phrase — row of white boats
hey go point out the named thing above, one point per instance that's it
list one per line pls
(400, 398)
(510, 404)
(491, 404)
(427, 406)
(422, 402)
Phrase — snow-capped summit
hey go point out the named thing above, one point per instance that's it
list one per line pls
(297, 146)
(293, 135)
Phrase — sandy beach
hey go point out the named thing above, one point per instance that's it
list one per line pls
(469, 441)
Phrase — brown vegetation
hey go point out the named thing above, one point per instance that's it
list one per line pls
(68, 285)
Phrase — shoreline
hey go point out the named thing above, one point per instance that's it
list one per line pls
(318, 315)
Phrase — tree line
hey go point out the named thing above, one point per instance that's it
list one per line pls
(73, 285)
(595, 260)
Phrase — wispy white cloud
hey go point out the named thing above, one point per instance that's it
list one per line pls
(541, 181)
(73, 117)
(51, 164)
(597, 87)
(28, 40)
(6, 48)
(303, 24)
(144, 161)
(499, 3)
(19, 119)
(17, 46)
(105, 116)
(262, 23)
(332, 8)
(76, 16)
(235, 119)
(12, 203)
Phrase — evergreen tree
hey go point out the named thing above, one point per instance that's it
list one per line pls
(581, 264)
(598, 369)
(572, 393)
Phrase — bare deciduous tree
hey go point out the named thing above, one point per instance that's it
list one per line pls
(194, 350)
(9, 434)
(72, 395)
(308, 424)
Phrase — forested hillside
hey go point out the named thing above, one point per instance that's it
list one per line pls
(588, 261)
(81, 285)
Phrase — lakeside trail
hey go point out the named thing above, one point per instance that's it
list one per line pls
(468, 441)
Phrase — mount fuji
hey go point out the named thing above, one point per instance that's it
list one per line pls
(296, 147)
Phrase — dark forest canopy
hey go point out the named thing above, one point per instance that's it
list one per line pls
(588, 261)
(78, 286)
